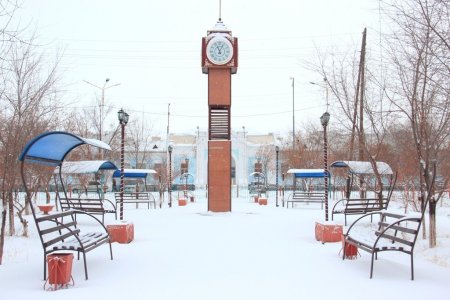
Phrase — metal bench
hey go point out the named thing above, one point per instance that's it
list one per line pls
(93, 206)
(59, 235)
(396, 232)
(305, 197)
(358, 206)
(136, 197)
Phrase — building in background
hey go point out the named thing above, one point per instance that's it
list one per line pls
(190, 154)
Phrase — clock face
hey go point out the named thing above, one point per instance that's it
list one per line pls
(219, 50)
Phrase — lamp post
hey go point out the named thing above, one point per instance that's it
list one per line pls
(277, 149)
(102, 102)
(293, 115)
(169, 188)
(324, 119)
(123, 119)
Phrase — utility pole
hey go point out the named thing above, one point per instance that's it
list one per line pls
(359, 101)
(361, 97)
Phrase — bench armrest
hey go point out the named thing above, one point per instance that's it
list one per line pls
(92, 216)
(110, 203)
(336, 204)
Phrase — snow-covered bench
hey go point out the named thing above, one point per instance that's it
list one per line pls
(305, 197)
(358, 206)
(136, 197)
(396, 232)
(60, 232)
(95, 206)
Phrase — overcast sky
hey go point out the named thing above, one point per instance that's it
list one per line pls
(152, 48)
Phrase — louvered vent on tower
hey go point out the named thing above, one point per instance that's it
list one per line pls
(219, 123)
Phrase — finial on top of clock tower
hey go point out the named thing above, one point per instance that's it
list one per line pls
(220, 27)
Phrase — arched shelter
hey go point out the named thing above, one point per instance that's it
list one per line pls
(135, 174)
(84, 167)
(50, 149)
(257, 185)
(306, 174)
(364, 174)
(184, 179)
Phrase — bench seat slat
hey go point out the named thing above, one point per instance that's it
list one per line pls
(60, 238)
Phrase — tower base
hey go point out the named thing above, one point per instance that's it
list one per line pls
(219, 176)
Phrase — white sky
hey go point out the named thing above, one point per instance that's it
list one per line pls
(152, 48)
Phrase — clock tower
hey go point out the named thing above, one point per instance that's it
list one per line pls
(219, 62)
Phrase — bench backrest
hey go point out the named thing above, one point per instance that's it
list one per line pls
(133, 196)
(308, 195)
(85, 204)
(366, 204)
(52, 228)
(399, 229)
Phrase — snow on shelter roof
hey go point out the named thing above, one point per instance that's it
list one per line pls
(50, 148)
(363, 167)
(85, 166)
(134, 173)
(307, 173)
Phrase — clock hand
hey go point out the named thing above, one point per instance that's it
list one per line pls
(220, 48)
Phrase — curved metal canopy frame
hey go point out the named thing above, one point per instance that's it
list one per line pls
(82, 167)
(361, 169)
(49, 149)
(257, 186)
(86, 166)
(135, 174)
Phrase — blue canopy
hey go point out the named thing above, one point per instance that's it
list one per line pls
(50, 148)
(308, 173)
(362, 167)
(134, 173)
(85, 166)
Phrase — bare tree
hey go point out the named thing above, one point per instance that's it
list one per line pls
(139, 137)
(28, 105)
(419, 57)
(265, 155)
(352, 95)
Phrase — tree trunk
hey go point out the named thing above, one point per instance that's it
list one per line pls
(424, 224)
(12, 228)
(24, 223)
(2, 231)
(432, 215)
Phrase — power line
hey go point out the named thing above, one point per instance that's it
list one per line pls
(192, 115)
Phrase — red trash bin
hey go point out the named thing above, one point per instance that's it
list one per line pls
(350, 251)
(59, 268)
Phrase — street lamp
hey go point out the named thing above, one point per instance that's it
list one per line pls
(170, 148)
(102, 102)
(293, 115)
(277, 149)
(326, 88)
(123, 120)
(324, 119)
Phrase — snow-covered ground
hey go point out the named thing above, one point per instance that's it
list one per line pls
(253, 252)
